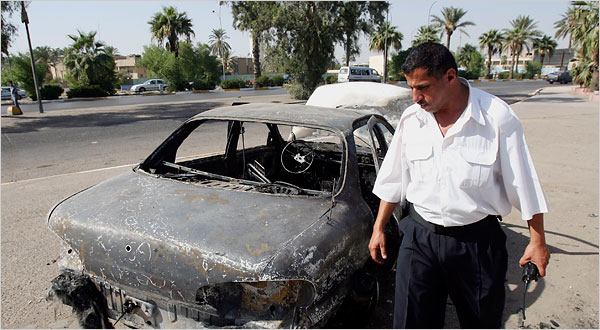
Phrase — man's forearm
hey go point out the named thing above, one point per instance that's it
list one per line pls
(383, 216)
(536, 229)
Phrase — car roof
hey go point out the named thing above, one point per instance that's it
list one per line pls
(289, 113)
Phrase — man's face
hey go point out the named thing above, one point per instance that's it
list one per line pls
(428, 91)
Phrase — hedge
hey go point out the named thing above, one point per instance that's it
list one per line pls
(51, 92)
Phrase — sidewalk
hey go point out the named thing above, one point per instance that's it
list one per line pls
(561, 128)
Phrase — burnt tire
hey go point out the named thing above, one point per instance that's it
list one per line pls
(359, 304)
(79, 292)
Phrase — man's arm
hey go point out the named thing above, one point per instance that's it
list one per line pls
(377, 243)
(536, 251)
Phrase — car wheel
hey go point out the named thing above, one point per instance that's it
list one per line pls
(142, 89)
(359, 304)
(551, 82)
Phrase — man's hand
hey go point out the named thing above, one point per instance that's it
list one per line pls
(538, 254)
(377, 246)
(377, 243)
(537, 250)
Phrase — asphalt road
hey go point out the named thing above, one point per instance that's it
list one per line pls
(46, 157)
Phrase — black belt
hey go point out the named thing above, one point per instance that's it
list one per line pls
(454, 230)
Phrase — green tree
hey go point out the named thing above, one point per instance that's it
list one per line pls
(305, 34)
(564, 27)
(255, 17)
(463, 55)
(49, 56)
(397, 62)
(21, 73)
(585, 40)
(450, 22)
(170, 25)
(385, 37)
(356, 17)
(544, 46)
(424, 34)
(88, 64)
(194, 65)
(9, 30)
(521, 35)
(492, 40)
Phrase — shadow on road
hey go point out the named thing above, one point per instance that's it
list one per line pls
(515, 243)
(100, 118)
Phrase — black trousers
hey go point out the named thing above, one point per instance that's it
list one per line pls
(469, 268)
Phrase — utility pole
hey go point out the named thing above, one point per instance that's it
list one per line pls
(25, 20)
(385, 50)
(428, 19)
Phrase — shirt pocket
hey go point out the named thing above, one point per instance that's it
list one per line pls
(420, 161)
(476, 168)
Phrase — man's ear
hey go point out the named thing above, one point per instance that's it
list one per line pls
(450, 75)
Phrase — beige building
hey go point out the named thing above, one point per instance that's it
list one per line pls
(127, 64)
(244, 65)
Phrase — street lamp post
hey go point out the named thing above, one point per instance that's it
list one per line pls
(25, 20)
(429, 19)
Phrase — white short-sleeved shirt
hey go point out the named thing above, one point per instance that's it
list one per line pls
(481, 167)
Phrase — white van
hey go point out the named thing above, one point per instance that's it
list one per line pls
(358, 73)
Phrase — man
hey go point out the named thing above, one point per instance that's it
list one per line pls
(458, 160)
(14, 94)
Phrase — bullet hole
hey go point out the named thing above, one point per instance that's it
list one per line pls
(149, 322)
(69, 251)
(128, 248)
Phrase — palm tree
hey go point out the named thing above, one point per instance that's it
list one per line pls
(450, 22)
(426, 33)
(255, 17)
(544, 46)
(356, 17)
(564, 27)
(385, 36)
(493, 40)
(170, 25)
(522, 35)
(228, 61)
(87, 62)
(464, 55)
(585, 39)
(218, 45)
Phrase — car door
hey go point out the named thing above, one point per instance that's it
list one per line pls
(152, 86)
(380, 136)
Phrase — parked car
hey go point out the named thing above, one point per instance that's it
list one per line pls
(149, 85)
(6, 93)
(231, 222)
(356, 73)
(560, 77)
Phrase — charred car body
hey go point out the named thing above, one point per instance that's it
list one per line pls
(261, 229)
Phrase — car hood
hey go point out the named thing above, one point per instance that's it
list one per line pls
(171, 237)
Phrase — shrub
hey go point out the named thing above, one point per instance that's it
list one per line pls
(331, 80)
(233, 83)
(277, 80)
(503, 75)
(51, 92)
(203, 85)
(468, 74)
(86, 91)
(263, 81)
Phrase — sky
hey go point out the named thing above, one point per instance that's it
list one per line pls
(124, 24)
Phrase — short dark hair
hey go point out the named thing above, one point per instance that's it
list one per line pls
(435, 58)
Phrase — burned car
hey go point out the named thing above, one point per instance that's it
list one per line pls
(232, 221)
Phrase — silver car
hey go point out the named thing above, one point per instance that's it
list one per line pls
(6, 93)
(149, 85)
